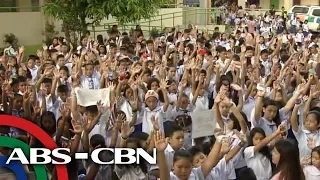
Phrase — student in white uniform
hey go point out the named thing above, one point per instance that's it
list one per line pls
(182, 161)
(257, 154)
(309, 137)
(312, 170)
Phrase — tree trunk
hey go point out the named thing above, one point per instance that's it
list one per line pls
(66, 30)
(84, 26)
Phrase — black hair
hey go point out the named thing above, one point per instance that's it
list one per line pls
(47, 80)
(147, 71)
(140, 135)
(50, 116)
(63, 88)
(97, 140)
(265, 51)
(315, 111)
(194, 151)
(149, 41)
(21, 79)
(246, 174)
(172, 129)
(65, 69)
(92, 109)
(151, 80)
(60, 56)
(265, 151)
(269, 102)
(182, 154)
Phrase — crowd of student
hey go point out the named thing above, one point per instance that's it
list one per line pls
(261, 82)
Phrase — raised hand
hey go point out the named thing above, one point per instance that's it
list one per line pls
(306, 160)
(311, 143)
(236, 87)
(160, 142)
(45, 47)
(111, 85)
(77, 129)
(155, 123)
(126, 130)
(65, 111)
(241, 136)
(21, 49)
(100, 107)
(134, 104)
(226, 145)
(56, 74)
(163, 84)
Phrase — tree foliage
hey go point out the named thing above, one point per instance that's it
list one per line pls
(93, 11)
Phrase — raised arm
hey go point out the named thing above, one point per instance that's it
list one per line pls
(269, 138)
(161, 143)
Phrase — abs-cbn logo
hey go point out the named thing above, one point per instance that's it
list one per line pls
(46, 156)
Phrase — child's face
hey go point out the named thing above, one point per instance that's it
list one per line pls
(257, 138)
(146, 77)
(89, 70)
(151, 66)
(154, 85)
(30, 63)
(173, 88)
(249, 53)
(315, 159)
(102, 50)
(311, 123)
(182, 168)
(198, 159)
(150, 46)
(270, 112)
(48, 87)
(17, 103)
(64, 48)
(152, 103)
(63, 96)
(22, 86)
(177, 140)
(224, 108)
(201, 92)
(63, 74)
(61, 61)
(38, 62)
(48, 124)
(184, 102)
(129, 93)
(172, 72)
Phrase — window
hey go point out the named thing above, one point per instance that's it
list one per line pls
(302, 10)
(316, 12)
(35, 5)
(6, 6)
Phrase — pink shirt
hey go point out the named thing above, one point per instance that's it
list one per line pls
(276, 177)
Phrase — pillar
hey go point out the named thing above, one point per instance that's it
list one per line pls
(202, 14)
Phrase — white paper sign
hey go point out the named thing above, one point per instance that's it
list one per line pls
(90, 97)
(203, 123)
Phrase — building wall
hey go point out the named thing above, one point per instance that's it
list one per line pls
(27, 26)
(310, 2)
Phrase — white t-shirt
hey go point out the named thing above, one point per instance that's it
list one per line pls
(259, 163)
(302, 138)
(311, 172)
(196, 174)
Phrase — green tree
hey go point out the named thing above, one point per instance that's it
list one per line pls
(78, 14)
